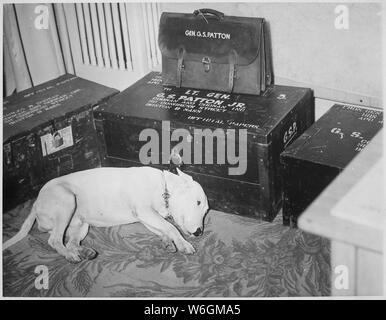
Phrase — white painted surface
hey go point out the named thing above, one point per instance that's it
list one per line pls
(343, 258)
(363, 204)
(370, 273)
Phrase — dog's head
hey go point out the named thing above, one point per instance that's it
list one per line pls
(188, 204)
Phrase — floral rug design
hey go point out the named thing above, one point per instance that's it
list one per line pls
(236, 256)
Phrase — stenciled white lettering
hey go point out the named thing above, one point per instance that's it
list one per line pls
(207, 34)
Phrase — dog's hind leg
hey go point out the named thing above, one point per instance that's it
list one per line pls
(56, 240)
(77, 231)
(62, 205)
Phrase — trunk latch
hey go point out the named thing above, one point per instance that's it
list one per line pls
(57, 140)
(206, 62)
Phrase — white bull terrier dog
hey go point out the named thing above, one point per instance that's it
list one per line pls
(106, 197)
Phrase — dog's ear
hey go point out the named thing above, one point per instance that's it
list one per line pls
(177, 182)
(173, 181)
(184, 176)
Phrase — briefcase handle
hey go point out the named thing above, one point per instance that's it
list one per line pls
(205, 12)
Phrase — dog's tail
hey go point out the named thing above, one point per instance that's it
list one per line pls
(25, 228)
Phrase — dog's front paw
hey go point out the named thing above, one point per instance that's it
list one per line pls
(186, 247)
(73, 257)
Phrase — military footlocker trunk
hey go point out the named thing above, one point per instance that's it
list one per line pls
(322, 152)
(48, 131)
(236, 162)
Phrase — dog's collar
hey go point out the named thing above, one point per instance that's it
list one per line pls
(166, 194)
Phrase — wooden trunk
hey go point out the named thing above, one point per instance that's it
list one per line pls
(48, 132)
(270, 122)
(322, 152)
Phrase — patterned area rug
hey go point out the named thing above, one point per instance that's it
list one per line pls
(236, 256)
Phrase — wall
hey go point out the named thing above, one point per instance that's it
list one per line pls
(341, 65)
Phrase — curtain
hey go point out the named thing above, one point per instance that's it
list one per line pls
(35, 47)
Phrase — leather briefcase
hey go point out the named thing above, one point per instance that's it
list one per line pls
(208, 50)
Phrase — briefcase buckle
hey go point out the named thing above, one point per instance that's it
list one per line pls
(206, 62)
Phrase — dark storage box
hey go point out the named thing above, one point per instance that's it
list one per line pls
(271, 121)
(322, 152)
(48, 132)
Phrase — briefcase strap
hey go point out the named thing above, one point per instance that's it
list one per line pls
(232, 69)
(180, 65)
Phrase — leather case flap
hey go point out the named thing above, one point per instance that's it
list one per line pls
(210, 37)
